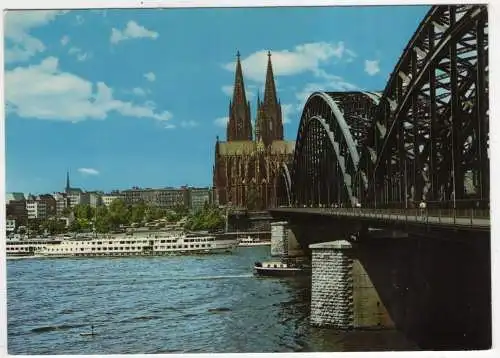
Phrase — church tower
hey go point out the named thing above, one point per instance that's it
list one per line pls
(269, 122)
(67, 182)
(239, 126)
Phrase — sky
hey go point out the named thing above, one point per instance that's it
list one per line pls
(136, 97)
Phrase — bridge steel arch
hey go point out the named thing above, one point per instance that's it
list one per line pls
(430, 134)
(283, 186)
(332, 127)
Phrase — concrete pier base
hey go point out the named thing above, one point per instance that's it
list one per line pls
(331, 291)
(279, 243)
(342, 294)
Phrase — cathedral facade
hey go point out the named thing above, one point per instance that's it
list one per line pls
(248, 162)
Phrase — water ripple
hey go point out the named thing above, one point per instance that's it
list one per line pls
(209, 304)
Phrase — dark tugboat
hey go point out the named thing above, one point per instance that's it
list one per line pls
(281, 268)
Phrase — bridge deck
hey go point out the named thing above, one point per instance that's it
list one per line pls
(409, 216)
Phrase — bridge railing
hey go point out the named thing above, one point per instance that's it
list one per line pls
(457, 216)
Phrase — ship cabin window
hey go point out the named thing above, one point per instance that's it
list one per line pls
(110, 242)
(185, 246)
(99, 242)
(98, 249)
(202, 245)
(122, 242)
(162, 241)
(82, 249)
(93, 249)
(127, 248)
(197, 245)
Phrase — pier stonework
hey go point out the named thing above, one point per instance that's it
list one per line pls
(279, 242)
(331, 291)
(342, 294)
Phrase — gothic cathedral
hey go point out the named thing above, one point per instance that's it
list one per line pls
(247, 164)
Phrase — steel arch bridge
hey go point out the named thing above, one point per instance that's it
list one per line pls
(425, 137)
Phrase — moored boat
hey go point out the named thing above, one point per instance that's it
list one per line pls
(28, 247)
(280, 269)
(253, 241)
(145, 245)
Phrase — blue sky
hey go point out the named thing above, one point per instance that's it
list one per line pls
(125, 98)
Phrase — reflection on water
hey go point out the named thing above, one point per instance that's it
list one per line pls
(181, 304)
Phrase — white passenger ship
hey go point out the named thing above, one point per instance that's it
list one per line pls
(253, 241)
(25, 248)
(153, 245)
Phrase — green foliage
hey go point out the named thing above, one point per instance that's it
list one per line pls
(54, 226)
(209, 218)
(119, 214)
(83, 212)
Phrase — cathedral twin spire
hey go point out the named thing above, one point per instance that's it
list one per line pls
(269, 124)
(239, 126)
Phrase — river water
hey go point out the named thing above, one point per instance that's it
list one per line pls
(205, 304)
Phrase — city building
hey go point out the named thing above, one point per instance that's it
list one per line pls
(10, 225)
(62, 202)
(246, 167)
(75, 195)
(198, 197)
(36, 209)
(108, 198)
(14, 197)
(167, 198)
(50, 204)
(15, 207)
(94, 199)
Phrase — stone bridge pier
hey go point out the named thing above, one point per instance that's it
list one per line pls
(284, 242)
(434, 287)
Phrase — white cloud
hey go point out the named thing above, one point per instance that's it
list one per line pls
(170, 126)
(65, 40)
(43, 91)
(221, 121)
(287, 110)
(228, 90)
(303, 58)
(372, 67)
(150, 76)
(188, 124)
(88, 171)
(79, 53)
(83, 56)
(327, 82)
(132, 31)
(20, 45)
(139, 91)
